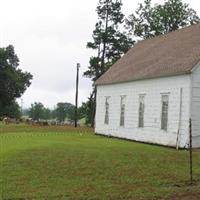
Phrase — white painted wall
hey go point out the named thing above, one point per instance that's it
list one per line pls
(195, 106)
(151, 133)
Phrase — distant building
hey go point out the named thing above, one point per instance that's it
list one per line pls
(150, 94)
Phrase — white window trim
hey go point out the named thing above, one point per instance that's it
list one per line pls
(162, 94)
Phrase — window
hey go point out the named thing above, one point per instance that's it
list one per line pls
(164, 115)
(106, 120)
(141, 111)
(122, 113)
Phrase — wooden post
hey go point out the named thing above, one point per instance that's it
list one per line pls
(190, 148)
(76, 98)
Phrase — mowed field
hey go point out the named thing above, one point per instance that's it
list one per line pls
(61, 163)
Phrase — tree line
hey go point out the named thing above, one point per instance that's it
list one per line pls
(38, 112)
(60, 113)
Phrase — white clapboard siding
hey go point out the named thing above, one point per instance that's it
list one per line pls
(195, 107)
(152, 89)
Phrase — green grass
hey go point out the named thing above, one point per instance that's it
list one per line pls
(50, 163)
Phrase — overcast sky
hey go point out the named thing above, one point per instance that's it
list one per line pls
(50, 38)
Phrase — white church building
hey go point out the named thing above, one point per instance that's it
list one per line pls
(151, 93)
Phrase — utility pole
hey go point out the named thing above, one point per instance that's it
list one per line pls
(76, 98)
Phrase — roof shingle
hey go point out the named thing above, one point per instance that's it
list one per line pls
(174, 53)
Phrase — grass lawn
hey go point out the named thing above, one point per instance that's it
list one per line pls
(50, 163)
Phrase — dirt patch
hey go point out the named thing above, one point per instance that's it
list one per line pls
(187, 197)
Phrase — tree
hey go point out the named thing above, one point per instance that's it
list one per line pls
(39, 112)
(64, 110)
(109, 41)
(86, 110)
(13, 82)
(149, 21)
(47, 114)
(12, 110)
(36, 111)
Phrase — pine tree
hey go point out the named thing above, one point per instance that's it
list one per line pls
(109, 41)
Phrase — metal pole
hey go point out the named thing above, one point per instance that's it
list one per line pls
(191, 167)
(76, 98)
